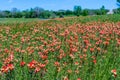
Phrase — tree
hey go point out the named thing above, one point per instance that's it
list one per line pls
(68, 12)
(116, 11)
(118, 3)
(97, 12)
(85, 12)
(15, 13)
(46, 14)
(38, 11)
(26, 14)
(92, 11)
(77, 10)
(103, 10)
(53, 15)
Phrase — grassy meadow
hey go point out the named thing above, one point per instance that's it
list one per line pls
(72, 48)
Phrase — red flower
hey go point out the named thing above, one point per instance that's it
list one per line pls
(23, 39)
(76, 63)
(114, 72)
(42, 65)
(57, 64)
(94, 61)
(10, 66)
(106, 43)
(44, 57)
(33, 61)
(98, 49)
(86, 42)
(4, 69)
(22, 63)
(31, 65)
(6, 50)
(78, 79)
(37, 69)
(92, 49)
(11, 57)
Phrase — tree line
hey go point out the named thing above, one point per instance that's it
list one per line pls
(38, 12)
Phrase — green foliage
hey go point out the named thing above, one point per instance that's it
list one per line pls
(77, 10)
(103, 10)
(116, 11)
(118, 3)
(38, 12)
(85, 12)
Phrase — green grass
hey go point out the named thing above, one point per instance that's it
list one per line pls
(16, 21)
(83, 19)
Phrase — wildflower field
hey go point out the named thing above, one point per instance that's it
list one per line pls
(77, 48)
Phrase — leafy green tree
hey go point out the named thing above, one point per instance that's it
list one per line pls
(118, 3)
(103, 10)
(77, 10)
(37, 11)
(85, 12)
(46, 14)
(97, 12)
(53, 15)
(6, 13)
(68, 12)
(116, 11)
(26, 14)
(14, 12)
